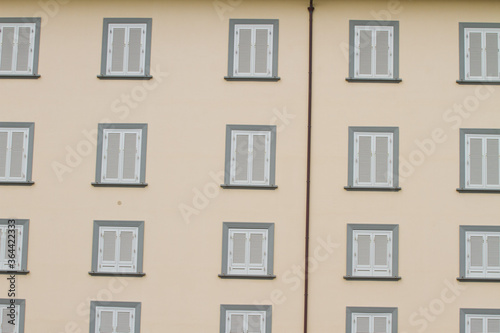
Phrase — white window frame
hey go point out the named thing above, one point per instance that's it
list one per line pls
(390, 58)
(371, 316)
(466, 51)
(16, 26)
(4, 260)
(115, 311)
(18, 312)
(109, 59)
(253, 28)
(245, 315)
(122, 133)
(372, 269)
(483, 271)
(484, 138)
(247, 268)
(116, 266)
(249, 180)
(26, 141)
(390, 160)
(484, 318)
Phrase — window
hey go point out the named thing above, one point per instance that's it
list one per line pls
(479, 252)
(253, 50)
(372, 251)
(374, 51)
(115, 317)
(14, 245)
(118, 248)
(371, 320)
(250, 156)
(247, 249)
(121, 154)
(19, 45)
(16, 152)
(479, 160)
(126, 48)
(245, 318)
(479, 52)
(479, 320)
(373, 158)
(8, 307)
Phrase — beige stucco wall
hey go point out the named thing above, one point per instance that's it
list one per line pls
(187, 106)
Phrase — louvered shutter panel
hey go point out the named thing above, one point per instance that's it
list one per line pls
(382, 53)
(362, 245)
(364, 159)
(4, 135)
(365, 52)
(135, 49)
(476, 267)
(493, 325)
(7, 48)
(108, 250)
(244, 50)
(262, 51)
(491, 50)
(236, 323)
(476, 325)
(117, 49)
(362, 324)
(381, 255)
(6, 326)
(381, 159)
(111, 157)
(475, 54)
(259, 160)
(19, 247)
(238, 252)
(17, 155)
(255, 323)
(492, 162)
(130, 156)
(13, 250)
(380, 324)
(105, 321)
(23, 49)
(476, 161)
(5, 248)
(241, 155)
(123, 322)
(493, 255)
(127, 251)
(257, 253)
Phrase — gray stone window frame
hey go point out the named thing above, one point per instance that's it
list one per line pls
(24, 257)
(350, 310)
(395, 154)
(140, 247)
(395, 251)
(226, 226)
(29, 162)
(230, 63)
(481, 312)
(463, 249)
(461, 42)
(135, 305)
(36, 47)
(100, 143)
(352, 48)
(463, 155)
(22, 309)
(243, 307)
(104, 53)
(272, 162)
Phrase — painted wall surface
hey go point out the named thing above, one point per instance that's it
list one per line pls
(187, 106)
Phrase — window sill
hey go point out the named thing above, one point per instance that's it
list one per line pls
(462, 279)
(353, 79)
(31, 76)
(473, 190)
(130, 274)
(124, 77)
(380, 189)
(373, 278)
(252, 277)
(251, 78)
(249, 187)
(119, 184)
(17, 183)
(14, 272)
(478, 82)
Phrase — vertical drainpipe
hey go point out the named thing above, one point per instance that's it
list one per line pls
(308, 176)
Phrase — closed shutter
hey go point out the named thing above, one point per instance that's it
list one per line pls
(257, 253)
(373, 159)
(255, 323)
(381, 159)
(493, 255)
(492, 161)
(123, 322)
(117, 48)
(382, 53)
(13, 153)
(24, 49)
(130, 156)
(237, 252)
(382, 255)
(262, 51)
(107, 250)
(127, 251)
(9, 250)
(121, 156)
(105, 319)
(493, 325)
(7, 55)
(247, 252)
(475, 161)
(364, 159)
(372, 253)
(475, 259)
(365, 52)
(362, 324)
(241, 157)
(243, 50)
(259, 160)
(111, 158)
(135, 50)
(17, 154)
(476, 325)
(475, 54)
(492, 56)
(362, 247)
(235, 323)
(6, 326)
(380, 324)
(3, 153)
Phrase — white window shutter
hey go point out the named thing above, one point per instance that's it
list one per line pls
(476, 325)
(382, 52)
(135, 49)
(243, 50)
(123, 322)
(380, 324)
(381, 255)
(108, 250)
(475, 161)
(105, 319)
(493, 325)
(262, 49)
(127, 251)
(4, 135)
(235, 324)
(493, 255)
(364, 159)
(7, 54)
(237, 252)
(111, 155)
(17, 154)
(492, 161)
(365, 47)
(362, 254)
(257, 253)
(475, 54)
(255, 323)
(382, 159)
(362, 324)
(241, 157)
(491, 54)
(6, 326)
(130, 156)
(24, 49)
(116, 50)
(475, 255)
(259, 158)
